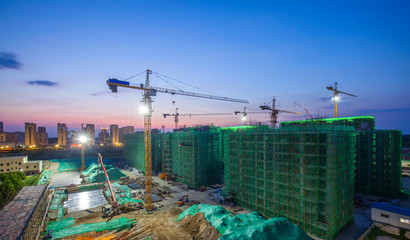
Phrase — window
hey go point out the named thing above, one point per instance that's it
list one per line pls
(384, 215)
(19, 163)
(1, 164)
(27, 167)
(35, 166)
(1, 170)
(8, 170)
(11, 168)
(403, 220)
(8, 164)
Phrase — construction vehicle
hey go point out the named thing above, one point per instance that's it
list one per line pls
(109, 211)
(180, 202)
(336, 97)
(274, 112)
(176, 115)
(150, 91)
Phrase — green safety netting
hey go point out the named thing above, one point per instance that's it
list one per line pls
(45, 177)
(87, 187)
(94, 173)
(63, 228)
(122, 193)
(302, 173)
(246, 226)
(57, 203)
(74, 164)
(55, 226)
(57, 200)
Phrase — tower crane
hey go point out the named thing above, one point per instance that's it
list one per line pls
(245, 113)
(150, 91)
(336, 97)
(275, 112)
(176, 115)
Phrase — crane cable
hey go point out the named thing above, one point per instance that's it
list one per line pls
(187, 84)
(135, 75)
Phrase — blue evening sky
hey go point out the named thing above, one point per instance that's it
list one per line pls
(55, 57)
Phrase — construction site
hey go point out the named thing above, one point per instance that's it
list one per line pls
(288, 180)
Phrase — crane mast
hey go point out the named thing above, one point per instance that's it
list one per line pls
(147, 146)
(336, 97)
(274, 112)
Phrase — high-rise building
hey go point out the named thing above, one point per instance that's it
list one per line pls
(90, 131)
(30, 134)
(42, 136)
(103, 136)
(114, 134)
(3, 137)
(124, 131)
(62, 134)
(1, 127)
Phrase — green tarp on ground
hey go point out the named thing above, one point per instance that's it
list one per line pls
(63, 228)
(45, 177)
(122, 193)
(246, 226)
(74, 164)
(95, 174)
(57, 203)
(55, 226)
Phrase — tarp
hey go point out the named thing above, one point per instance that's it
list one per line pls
(74, 164)
(246, 226)
(122, 193)
(45, 177)
(95, 174)
(64, 228)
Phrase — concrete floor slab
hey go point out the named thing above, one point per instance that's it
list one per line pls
(84, 200)
(65, 179)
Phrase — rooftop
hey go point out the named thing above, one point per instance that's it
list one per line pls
(391, 208)
(15, 215)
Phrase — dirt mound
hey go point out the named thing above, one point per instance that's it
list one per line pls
(199, 227)
(175, 211)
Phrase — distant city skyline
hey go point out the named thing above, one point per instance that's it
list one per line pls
(56, 57)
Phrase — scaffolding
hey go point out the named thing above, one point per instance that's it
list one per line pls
(197, 158)
(166, 152)
(378, 155)
(134, 152)
(302, 173)
(378, 163)
(359, 123)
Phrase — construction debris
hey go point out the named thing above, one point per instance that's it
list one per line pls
(245, 226)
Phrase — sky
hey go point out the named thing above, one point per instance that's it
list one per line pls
(55, 58)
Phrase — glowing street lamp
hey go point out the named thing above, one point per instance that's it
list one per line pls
(82, 140)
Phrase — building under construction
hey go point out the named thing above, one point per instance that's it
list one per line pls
(192, 155)
(302, 173)
(378, 155)
(134, 153)
(305, 171)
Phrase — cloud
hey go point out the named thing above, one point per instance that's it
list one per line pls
(100, 93)
(9, 60)
(42, 83)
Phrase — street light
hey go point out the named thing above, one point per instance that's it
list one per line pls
(82, 140)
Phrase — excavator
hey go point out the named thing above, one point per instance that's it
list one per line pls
(180, 202)
(114, 209)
